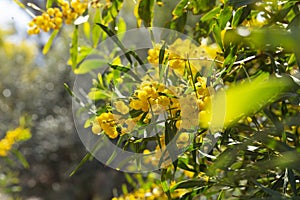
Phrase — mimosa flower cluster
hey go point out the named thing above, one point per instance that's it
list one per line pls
(53, 18)
(186, 104)
(12, 137)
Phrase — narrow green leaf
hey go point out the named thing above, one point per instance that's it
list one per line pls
(50, 41)
(120, 68)
(292, 181)
(98, 94)
(189, 184)
(145, 11)
(135, 113)
(121, 25)
(69, 90)
(21, 158)
(211, 14)
(225, 16)
(180, 8)
(96, 30)
(74, 48)
(240, 15)
(49, 3)
(84, 160)
(161, 60)
(178, 23)
(113, 36)
(89, 65)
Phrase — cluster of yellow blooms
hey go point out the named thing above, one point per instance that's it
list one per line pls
(53, 18)
(13, 136)
(154, 192)
(187, 109)
(179, 53)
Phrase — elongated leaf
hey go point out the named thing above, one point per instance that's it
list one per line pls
(240, 3)
(50, 41)
(180, 8)
(21, 158)
(145, 11)
(240, 15)
(211, 14)
(116, 40)
(189, 184)
(74, 48)
(84, 160)
(98, 94)
(242, 99)
(96, 30)
(120, 68)
(49, 3)
(89, 65)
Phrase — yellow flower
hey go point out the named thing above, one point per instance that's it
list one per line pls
(121, 107)
(11, 137)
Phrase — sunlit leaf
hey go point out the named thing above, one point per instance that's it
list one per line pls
(96, 30)
(244, 98)
(74, 48)
(180, 8)
(98, 94)
(89, 65)
(50, 41)
(211, 14)
(49, 3)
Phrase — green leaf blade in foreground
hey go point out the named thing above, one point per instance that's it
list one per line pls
(89, 65)
(243, 99)
(50, 41)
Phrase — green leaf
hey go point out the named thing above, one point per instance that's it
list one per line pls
(240, 15)
(87, 30)
(180, 9)
(98, 94)
(198, 7)
(84, 160)
(50, 41)
(217, 35)
(245, 98)
(49, 3)
(110, 12)
(211, 14)
(120, 68)
(178, 23)
(189, 184)
(21, 158)
(135, 113)
(224, 17)
(145, 11)
(96, 30)
(121, 25)
(116, 40)
(74, 48)
(89, 65)
(240, 3)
